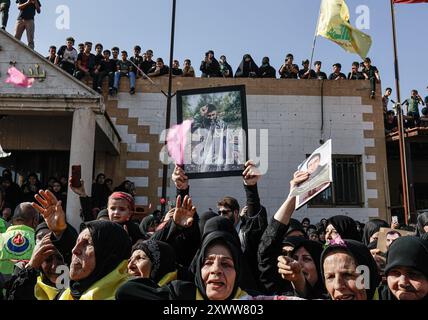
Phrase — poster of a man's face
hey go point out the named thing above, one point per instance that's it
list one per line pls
(217, 146)
(387, 236)
(319, 167)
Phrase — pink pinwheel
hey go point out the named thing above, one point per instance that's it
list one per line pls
(18, 79)
(177, 140)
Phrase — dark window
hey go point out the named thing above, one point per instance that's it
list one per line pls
(346, 188)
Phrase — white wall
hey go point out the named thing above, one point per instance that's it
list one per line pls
(294, 124)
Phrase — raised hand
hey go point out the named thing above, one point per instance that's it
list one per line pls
(251, 174)
(180, 179)
(51, 210)
(79, 191)
(290, 269)
(298, 178)
(43, 250)
(184, 212)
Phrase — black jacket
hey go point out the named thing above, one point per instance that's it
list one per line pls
(185, 241)
(269, 250)
(210, 69)
(267, 71)
(253, 226)
(22, 285)
(66, 243)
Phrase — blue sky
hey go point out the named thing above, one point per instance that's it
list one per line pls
(262, 28)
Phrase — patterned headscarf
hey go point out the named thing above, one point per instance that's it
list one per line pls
(161, 256)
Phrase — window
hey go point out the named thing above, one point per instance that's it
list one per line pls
(347, 187)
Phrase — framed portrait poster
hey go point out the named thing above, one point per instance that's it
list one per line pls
(218, 143)
(319, 166)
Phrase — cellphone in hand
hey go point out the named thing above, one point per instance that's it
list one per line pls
(394, 219)
(76, 176)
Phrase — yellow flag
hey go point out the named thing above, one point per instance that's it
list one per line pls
(334, 25)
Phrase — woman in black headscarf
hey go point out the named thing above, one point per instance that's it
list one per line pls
(407, 270)
(302, 268)
(371, 230)
(99, 262)
(339, 264)
(148, 226)
(248, 68)
(266, 70)
(343, 226)
(204, 218)
(422, 224)
(223, 224)
(217, 277)
(100, 192)
(272, 245)
(295, 229)
(155, 260)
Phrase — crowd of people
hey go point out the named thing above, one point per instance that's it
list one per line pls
(106, 63)
(234, 252)
(12, 193)
(412, 118)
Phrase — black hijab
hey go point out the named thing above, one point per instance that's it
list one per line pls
(245, 67)
(204, 218)
(220, 223)
(145, 225)
(411, 252)
(295, 225)
(226, 239)
(422, 222)
(214, 224)
(103, 214)
(362, 257)
(112, 246)
(345, 226)
(161, 255)
(314, 249)
(371, 228)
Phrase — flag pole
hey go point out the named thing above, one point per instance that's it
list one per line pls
(401, 129)
(168, 107)
(315, 40)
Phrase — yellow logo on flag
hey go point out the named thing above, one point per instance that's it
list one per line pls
(334, 25)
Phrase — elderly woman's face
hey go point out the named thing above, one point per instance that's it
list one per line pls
(407, 283)
(83, 261)
(139, 265)
(118, 210)
(308, 265)
(218, 272)
(341, 277)
(331, 233)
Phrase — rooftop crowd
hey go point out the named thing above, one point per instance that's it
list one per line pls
(234, 252)
(105, 64)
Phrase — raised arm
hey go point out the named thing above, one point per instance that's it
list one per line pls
(284, 213)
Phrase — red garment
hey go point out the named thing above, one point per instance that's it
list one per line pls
(410, 1)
